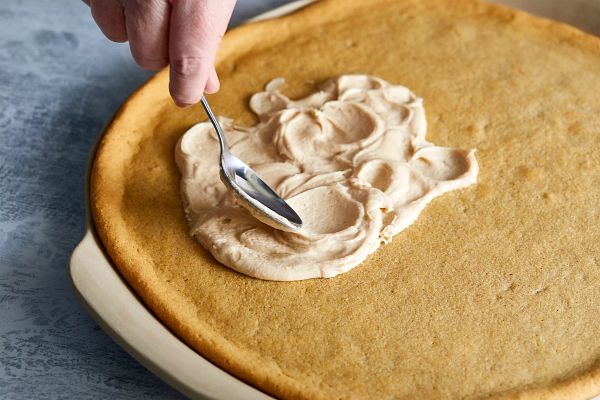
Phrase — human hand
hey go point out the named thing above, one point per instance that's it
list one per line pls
(184, 34)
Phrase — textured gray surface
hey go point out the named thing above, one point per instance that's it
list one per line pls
(60, 80)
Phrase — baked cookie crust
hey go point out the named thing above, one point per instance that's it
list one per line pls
(493, 293)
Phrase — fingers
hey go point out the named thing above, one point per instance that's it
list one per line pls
(184, 33)
(147, 23)
(109, 16)
(196, 29)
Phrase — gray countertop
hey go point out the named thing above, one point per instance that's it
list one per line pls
(60, 80)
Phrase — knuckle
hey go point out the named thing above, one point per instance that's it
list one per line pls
(188, 66)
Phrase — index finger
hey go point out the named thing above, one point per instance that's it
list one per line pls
(195, 33)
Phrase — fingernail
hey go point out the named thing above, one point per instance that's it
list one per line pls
(213, 84)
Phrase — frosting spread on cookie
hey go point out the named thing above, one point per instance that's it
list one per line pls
(351, 159)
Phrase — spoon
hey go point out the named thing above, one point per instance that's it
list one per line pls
(250, 191)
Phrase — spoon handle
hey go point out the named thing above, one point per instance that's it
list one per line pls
(213, 120)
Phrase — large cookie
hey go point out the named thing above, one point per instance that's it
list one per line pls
(493, 292)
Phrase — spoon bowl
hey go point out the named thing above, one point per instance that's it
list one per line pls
(250, 191)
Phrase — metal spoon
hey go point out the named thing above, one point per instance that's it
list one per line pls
(251, 191)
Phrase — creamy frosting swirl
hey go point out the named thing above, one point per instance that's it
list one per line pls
(351, 159)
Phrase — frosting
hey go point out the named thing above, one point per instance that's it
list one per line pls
(351, 159)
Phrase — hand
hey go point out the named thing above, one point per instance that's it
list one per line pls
(184, 34)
